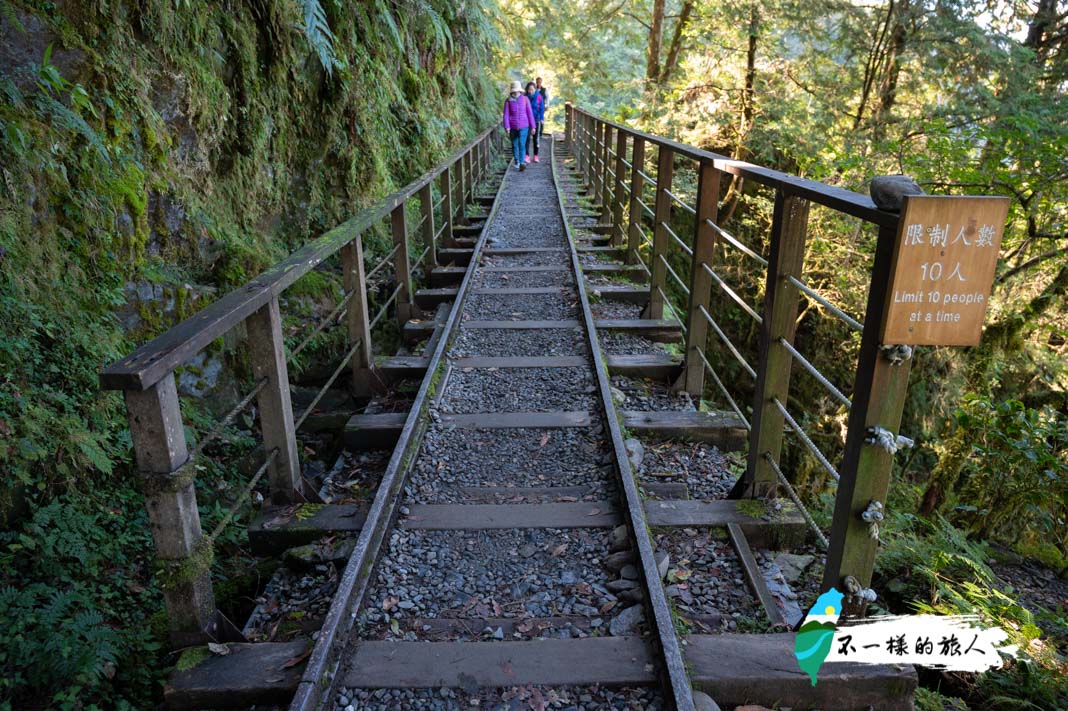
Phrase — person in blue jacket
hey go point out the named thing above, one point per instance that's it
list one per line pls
(537, 107)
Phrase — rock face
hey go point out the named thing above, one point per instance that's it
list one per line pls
(22, 48)
(888, 191)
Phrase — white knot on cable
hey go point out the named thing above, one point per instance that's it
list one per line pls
(887, 440)
(856, 594)
(896, 354)
(872, 516)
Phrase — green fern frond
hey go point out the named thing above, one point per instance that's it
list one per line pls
(320, 37)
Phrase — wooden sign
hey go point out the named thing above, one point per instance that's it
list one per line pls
(943, 269)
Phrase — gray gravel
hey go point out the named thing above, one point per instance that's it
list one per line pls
(471, 390)
(704, 576)
(521, 307)
(516, 698)
(559, 258)
(617, 343)
(292, 604)
(702, 467)
(615, 309)
(500, 342)
(486, 575)
(646, 395)
(453, 457)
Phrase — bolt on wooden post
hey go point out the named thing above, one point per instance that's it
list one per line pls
(267, 352)
(789, 228)
(878, 398)
(402, 267)
(619, 188)
(665, 168)
(704, 245)
(637, 185)
(359, 324)
(170, 497)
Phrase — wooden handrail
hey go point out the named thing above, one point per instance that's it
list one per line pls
(847, 201)
(151, 362)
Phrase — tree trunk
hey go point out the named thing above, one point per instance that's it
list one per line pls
(656, 32)
(888, 88)
(875, 59)
(672, 60)
(745, 123)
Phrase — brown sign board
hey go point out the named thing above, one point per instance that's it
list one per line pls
(943, 268)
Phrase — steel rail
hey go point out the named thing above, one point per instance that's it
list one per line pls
(678, 240)
(731, 293)
(355, 578)
(385, 306)
(822, 301)
(680, 694)
(675, 276)
(723, 389)
(215, 432)
(796, 499)
(334, 315)
(734, 241)
(727, 342)
(330, 381)
(382, 263)
(679, 202)
(815, 373)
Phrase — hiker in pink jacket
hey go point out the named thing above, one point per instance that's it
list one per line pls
(518, 121)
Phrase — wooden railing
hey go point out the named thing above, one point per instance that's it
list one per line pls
(166, 464)
(636, 208)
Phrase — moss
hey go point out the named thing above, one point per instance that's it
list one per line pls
(191, 657)
(307, 511)
(751, 508)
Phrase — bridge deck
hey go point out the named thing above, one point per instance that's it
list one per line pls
(511, 558)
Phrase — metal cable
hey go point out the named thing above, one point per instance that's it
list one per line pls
(820, 378)
(648, 178)
(730, 292)
(243, 497)
(796, 499)
(726, 341)
(667, 304)
(322, 391)
(805, 439)
(382, 311)
(723, 389)
(849, 320)
(645, 208)
(334, 315)
(678, 240)
(679, 202)
(734, 240)
(215, 432)
(384, 261)
(674, 275)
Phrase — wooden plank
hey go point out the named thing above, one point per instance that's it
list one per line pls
(403, 367)
(704, 249)
(638, 324)
(249, 675)
(521, 362)
(463, 517)
(620, 292)
(453, 255)
(481, 493)
(593, 660)
(508, 420)
(376, 431)
(723, 429)
(562, 323)
(754, 576)
(429, 627)
(446, 276)
(278, 528)
(653, 366)
(472, 230)
(635, 272)
(517, 291)
(739, 669)
(786, 528)
(418, 329)
(357, 318)
(430, 298)
(675, 490)
(616, 252)
(603, 228)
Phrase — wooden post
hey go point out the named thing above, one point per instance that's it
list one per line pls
(789, 226)
(569, 124)
(402, 266)
(596, 160)
(426, 207)
(704, 243)
(618, 188)
(446, 207)
(637, 185)
(589, 163)
(606, 176)
(170, 497)
(268, 354)
(879, 392)
(580, 144)
(461, 213)
(358, 321)
(665, 168)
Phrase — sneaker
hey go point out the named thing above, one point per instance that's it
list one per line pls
(536, 159)
(522, 167)
(528, 159)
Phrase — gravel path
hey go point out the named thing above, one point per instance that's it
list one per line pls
(501, 342)
(521, 307)
(646, 395)
(516, 698)
(615, 343)
(520, 280)
(473, 390)
(701, 467)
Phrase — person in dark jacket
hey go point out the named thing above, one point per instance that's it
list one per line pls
(537, 108)
(518, 121)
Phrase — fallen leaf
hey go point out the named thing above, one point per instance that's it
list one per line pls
(559, 550)
(274, 679)
(544, 440)
(219, 649)
(607, 606)
(567, 498)
(390, 602)
(506, 667)
(294, 661)
(593, 512)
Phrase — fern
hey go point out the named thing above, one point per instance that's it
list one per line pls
(320, 37)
